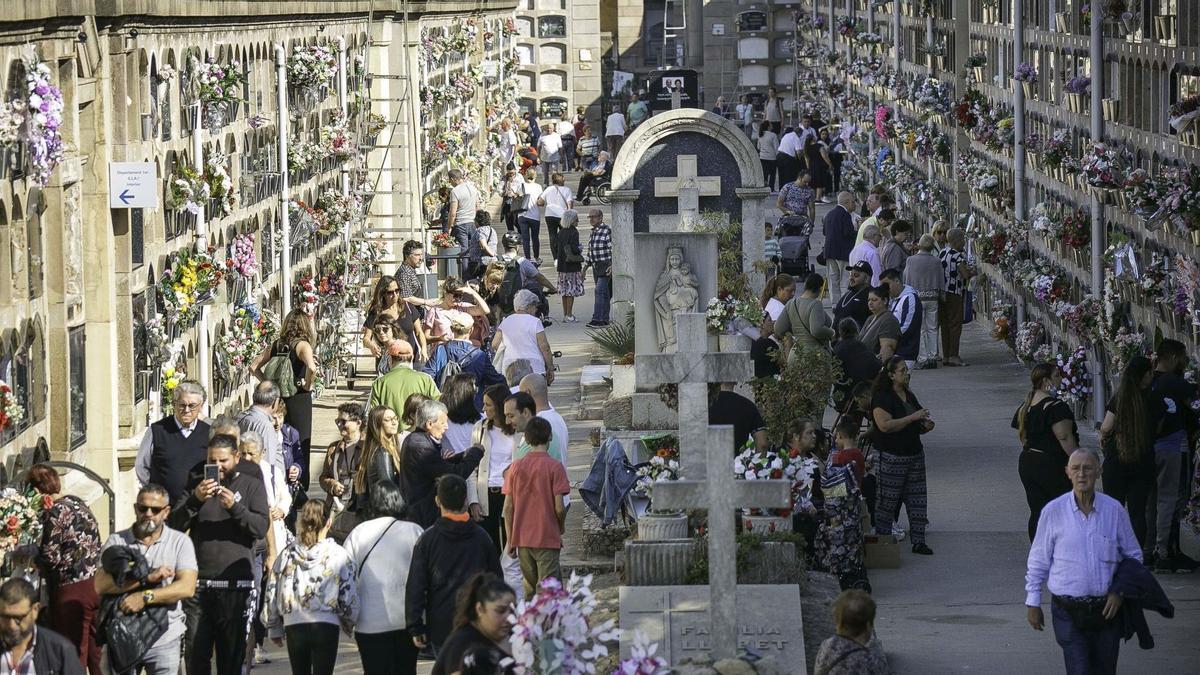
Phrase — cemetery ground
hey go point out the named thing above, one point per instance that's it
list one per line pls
(958, 611)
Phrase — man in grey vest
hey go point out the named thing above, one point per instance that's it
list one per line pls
(176, 443)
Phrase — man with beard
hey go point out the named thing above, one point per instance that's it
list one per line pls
(853, 303)
(172, 560)
(27, 647)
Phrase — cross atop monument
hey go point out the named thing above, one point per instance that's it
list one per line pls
(687, 187)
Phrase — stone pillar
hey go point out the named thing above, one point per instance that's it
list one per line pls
(623, 266)
(753, 222)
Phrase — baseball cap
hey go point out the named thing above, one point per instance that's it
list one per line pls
(399, 348)
(861, 266)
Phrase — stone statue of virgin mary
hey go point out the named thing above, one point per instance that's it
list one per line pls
(677, 290)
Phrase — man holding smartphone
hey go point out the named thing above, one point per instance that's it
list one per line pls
(224, 513)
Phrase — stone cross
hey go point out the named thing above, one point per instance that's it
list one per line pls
(709, 482)
(692, 367)
(687, 188)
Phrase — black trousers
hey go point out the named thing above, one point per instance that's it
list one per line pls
(312, 648)
(217, 618)
(788, 168)
(1131, 484)
(391, 653)
(552, 226)
(768, 167)
(1045, 478)
(493, 522)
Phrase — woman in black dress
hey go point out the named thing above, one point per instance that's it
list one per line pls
(297, 339)
(817, 156)
(1046, 427)
(899, 422)
(1131, 421)
(481, 628)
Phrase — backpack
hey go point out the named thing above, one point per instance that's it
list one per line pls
(279, 370)
(514, 281)
(453, 366)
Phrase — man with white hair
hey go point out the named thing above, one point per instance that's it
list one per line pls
(535, 385)
(1081, 539)
(176, 443)
(868, 251)
(260, 418)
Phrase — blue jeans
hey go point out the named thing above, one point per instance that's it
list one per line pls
(603, 298)
(531, 231)
(1091, 652)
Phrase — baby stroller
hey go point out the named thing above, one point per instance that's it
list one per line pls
(794, 232)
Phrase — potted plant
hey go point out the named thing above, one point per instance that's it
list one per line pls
(1027, 75)
(1075, 90)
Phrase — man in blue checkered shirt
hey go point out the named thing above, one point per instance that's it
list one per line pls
(600, 258)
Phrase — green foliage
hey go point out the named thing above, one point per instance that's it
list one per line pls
(616, 340)
(801, 390)
(749, 555)
(731, 279)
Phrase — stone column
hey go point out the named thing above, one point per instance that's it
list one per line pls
(623, 265)
(753, 222)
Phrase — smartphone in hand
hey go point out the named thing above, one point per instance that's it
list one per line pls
(212, 472)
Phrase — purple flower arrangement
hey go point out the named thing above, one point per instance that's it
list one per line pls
(44, 109)
(1078, 85)
(1026, 73)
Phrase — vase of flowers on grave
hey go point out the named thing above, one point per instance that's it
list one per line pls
(310, 69)
(735, 321)
(1027, 75)
(218, 88)
(1075, 90)
(778, 464)
(662, 465)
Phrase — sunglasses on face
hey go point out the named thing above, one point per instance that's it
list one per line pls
(146, 508)
(391, 291)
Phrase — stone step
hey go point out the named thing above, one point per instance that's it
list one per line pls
(594, 389)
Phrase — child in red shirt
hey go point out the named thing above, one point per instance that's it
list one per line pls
(845, 436)
(534, 514)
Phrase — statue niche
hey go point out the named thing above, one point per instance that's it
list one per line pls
(677, 291)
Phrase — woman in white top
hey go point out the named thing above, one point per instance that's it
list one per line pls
(458, 394)
(382, 550)
(529, 221)
(498, 440)
(555, 199)
(779, 289)
(522, 336)
(768, 149)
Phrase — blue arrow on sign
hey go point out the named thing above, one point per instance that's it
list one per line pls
(125, 196)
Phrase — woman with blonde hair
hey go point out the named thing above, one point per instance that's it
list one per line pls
(311, 592)
(380, 452)
(298, 341)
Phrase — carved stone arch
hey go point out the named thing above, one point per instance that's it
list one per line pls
(672, 122)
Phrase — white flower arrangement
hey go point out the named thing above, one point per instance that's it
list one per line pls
(551, 632)
(311, 67)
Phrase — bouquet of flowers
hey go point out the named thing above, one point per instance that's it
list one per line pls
(551, 633)
(170, 374)
(976, 60)
(1029, 336)
(847, 27)
(1101, 165)
(340, 211)
(781, 464)
(935, 97)
(304, 294)
(1079, 84)
(44, 109)
(871, 39)
(336, 137)
(249, 333)
(12, 120)
(152, 333)
(663, 464)
(189, 191)
(1057, 150)
(1076, 384)
(1045, 222)
(20, 518)
(1026, 72)
(724, 311)
(190, 279)
(220, 185)
(444, 240)
(1143, 192)
(312, 66)
(304, 153)
(1123, 346)
(883, 125)
(215, 83)
(243, 258)
(11, 412)
(1076, 229)
(1084, 318)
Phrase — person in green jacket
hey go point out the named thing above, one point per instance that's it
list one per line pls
(393, 389)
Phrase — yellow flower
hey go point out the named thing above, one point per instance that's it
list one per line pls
(169, 372)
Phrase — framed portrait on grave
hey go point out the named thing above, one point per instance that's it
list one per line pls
(752, 21)
(552, 108)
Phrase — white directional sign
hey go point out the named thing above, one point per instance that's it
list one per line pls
(132, 185)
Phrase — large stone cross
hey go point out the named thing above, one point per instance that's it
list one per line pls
(687, 188)
(722, 495)
(708, 479)
(692, 367)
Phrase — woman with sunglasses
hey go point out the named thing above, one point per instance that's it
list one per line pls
(387, 305)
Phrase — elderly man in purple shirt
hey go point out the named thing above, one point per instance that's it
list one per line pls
(1081, 538)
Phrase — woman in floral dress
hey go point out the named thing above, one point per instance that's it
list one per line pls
(569, 257)
(68, 557)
